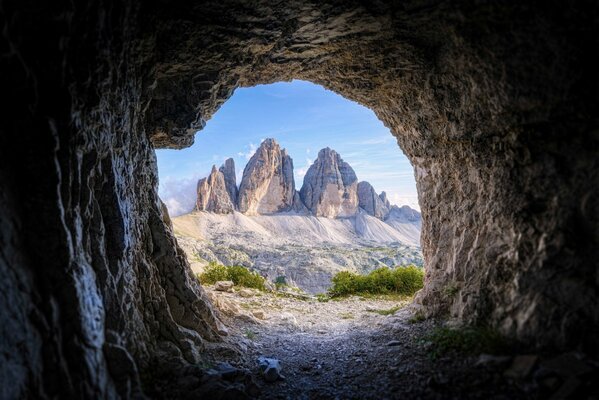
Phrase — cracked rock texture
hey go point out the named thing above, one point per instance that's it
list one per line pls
(214, 193)
(267, 185)
(495, 104)
(370, 201)
(228, 171)
(330, 186)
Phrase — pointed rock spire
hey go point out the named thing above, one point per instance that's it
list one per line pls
(267, 185)
(371, 202)
(228, 171)
(330, 186)
(213, 195)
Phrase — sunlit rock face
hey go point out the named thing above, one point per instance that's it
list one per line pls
(267, 185)
(330, 186)
(213, 194)
(494, 104)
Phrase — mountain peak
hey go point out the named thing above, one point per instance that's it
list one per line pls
(267, 185)
(330, 186)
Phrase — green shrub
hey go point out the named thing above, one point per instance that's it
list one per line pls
(280, 282)
(213, 273)
(241, 276)
(470, 340)
(400, 280)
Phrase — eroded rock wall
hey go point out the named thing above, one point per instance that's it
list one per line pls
(495, 106)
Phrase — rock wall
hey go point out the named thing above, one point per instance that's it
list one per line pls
(330, 186)
(214, 193)
(495, 104)
(267, 185)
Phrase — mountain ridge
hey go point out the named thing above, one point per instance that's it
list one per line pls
(330, 188)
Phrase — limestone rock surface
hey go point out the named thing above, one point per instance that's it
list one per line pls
(330, 186)
(267, 185)
(371, 202)
(213, 195)
(228, 171)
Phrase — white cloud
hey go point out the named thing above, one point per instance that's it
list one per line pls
(401, 200)
(300, 172)
(179, 195)
(250, 152)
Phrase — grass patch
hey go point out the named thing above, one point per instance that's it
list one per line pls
(389, 311)
(471, 341)
(322, 297)
(400, 280)
(346, 315)
(241, 276)
(250, 334)
(417, 317)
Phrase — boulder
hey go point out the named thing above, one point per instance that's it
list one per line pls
(270, 368)
(224, 286)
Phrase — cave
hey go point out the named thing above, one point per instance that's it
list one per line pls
(495, 105)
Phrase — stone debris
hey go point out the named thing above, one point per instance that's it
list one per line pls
(224, 286)
(492, 360)
(521, 367)
(270, 368)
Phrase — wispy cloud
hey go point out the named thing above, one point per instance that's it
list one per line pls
(383, 139)
(179, 195)
(251, 149)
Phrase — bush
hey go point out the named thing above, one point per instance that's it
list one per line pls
(469, 340)
(400, 280)
(241, 276)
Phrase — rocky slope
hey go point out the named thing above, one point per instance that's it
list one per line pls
(333, 223)
(307, 250)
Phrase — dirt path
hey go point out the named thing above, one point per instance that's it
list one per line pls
(351, 350)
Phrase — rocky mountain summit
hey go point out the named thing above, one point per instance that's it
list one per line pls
(330, 189)
(333, 223)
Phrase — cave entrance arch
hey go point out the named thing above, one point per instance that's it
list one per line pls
(302, 118)
(444, 98)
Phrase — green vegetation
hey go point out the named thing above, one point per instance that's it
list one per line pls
(474, 340)
(280, 282)
(241, 276)
(417, 317)
(389, 311)
(250, 334)
(399, 280)
(322, 297)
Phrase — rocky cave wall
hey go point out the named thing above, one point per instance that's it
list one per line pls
(494, 104)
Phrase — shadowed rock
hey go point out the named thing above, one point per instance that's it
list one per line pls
(371, 202)
(228, 171)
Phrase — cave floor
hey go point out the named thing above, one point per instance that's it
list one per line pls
(355, 348)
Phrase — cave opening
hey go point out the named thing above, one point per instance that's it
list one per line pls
(257, 214)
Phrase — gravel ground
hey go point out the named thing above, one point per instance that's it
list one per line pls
(347, 350)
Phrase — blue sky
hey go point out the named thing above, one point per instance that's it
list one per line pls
(303, 118)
